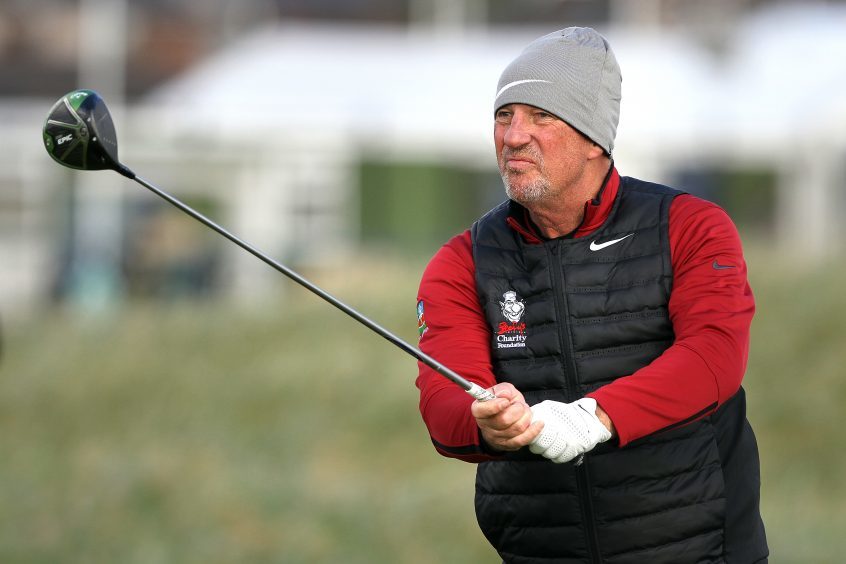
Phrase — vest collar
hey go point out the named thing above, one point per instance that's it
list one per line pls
(596, 212)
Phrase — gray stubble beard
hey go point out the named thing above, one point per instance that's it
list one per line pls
(534, 192)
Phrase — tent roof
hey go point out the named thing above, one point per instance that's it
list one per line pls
(781, 72)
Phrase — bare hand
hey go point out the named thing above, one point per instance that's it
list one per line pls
(505, 422)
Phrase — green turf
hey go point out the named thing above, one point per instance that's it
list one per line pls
(797, 394)
(194, 432)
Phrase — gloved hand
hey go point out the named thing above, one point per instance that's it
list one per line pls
(569, 429)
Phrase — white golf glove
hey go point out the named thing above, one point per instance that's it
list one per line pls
(569, 429)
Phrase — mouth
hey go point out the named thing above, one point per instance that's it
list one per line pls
(519, 164)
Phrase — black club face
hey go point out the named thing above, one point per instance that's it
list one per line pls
(79, 132)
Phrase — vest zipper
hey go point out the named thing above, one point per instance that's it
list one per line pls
(559, 287)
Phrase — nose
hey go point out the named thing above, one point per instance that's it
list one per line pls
(517, 132)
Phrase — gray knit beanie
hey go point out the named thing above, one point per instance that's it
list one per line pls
(573, 74)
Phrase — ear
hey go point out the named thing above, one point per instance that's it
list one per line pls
(595, 152)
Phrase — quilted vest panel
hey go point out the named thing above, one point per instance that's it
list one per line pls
(567, 316)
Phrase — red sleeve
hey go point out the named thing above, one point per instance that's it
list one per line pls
(711, 308)
(455, 333)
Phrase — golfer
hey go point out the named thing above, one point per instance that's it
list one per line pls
(610, 316)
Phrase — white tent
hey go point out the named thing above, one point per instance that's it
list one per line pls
(770, 96)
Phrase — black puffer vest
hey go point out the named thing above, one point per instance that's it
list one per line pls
(568, 316)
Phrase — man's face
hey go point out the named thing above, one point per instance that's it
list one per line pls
(539, 155)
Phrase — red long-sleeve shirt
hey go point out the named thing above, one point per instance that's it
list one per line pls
(711, 308)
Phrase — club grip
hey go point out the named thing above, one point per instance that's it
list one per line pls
(480, 393)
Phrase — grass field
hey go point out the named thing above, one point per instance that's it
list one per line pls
(194, 432)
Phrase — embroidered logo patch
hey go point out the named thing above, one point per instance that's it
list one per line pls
(421, 320)
(511, 333)
(512, 308)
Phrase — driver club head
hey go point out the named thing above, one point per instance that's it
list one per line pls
(79, 133)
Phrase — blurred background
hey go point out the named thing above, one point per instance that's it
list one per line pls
(165, 397)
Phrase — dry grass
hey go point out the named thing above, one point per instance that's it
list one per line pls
(193, 432)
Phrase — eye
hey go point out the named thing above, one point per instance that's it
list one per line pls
(502, 116)
(542, 115)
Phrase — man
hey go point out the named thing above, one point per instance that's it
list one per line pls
(610, 317)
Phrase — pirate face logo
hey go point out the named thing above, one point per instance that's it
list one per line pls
(512, 308)
(421, 319)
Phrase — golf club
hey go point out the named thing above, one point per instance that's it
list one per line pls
(79, 133)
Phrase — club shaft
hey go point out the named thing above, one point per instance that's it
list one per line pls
(473, 389)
